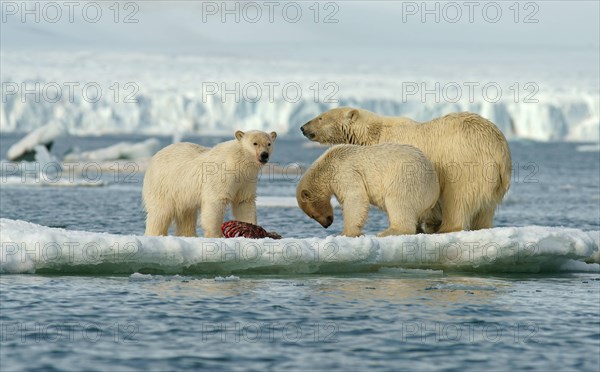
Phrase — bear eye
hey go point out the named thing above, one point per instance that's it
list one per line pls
(255, 144)
(320, 119)
(269, 144)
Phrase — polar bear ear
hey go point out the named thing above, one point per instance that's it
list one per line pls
(352, 115)
(304, 195)
(239, 134)
(273, 135)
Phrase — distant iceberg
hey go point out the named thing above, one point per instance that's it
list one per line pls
(119, 151)
(588, 148)
(24, 150)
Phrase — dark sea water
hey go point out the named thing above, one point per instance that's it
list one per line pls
(390, 319)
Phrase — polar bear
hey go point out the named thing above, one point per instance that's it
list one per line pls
(470, 154)
(397, 179)
(184, 177)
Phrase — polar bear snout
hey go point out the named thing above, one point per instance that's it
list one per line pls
(306, 132)
(263, 157)
(327, 222)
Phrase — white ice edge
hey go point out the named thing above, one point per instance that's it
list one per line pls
(31, 248)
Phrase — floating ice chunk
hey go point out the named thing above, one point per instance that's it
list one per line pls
(43, 157)
(284, 202)
(18, 181)
(410, 272)
(589, 148)
(137, 277)
(25, 148)
(122, 150)
(27, 247)
(230, 278)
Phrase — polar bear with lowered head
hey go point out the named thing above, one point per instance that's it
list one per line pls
(397, 179)
(470, 154)
(184, 177)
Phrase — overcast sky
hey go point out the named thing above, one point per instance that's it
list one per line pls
(552, 23)
(339, 30)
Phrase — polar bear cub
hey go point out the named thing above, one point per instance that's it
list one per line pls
(397, 179)
(184, 177)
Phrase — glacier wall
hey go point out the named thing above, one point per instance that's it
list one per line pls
(162, 95)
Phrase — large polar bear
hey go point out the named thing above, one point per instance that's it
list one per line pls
(184, 177)
(470, 154)
(397, 179)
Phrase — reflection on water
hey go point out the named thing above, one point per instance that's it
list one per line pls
(367, 290)
(419, 318)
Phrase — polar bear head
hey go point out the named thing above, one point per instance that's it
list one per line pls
(257, 144)
(343, 125)
(316, 205)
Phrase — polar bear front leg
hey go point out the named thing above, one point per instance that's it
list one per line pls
(186, 223)
(211, 217)
(355, 211)
(157, 223)
(244, 211)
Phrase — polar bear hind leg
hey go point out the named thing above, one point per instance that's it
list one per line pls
(402, 222)
(456, 211)
(484, 219)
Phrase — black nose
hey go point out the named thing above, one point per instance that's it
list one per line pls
(328, 221)
(264, 156)
(302, 128)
